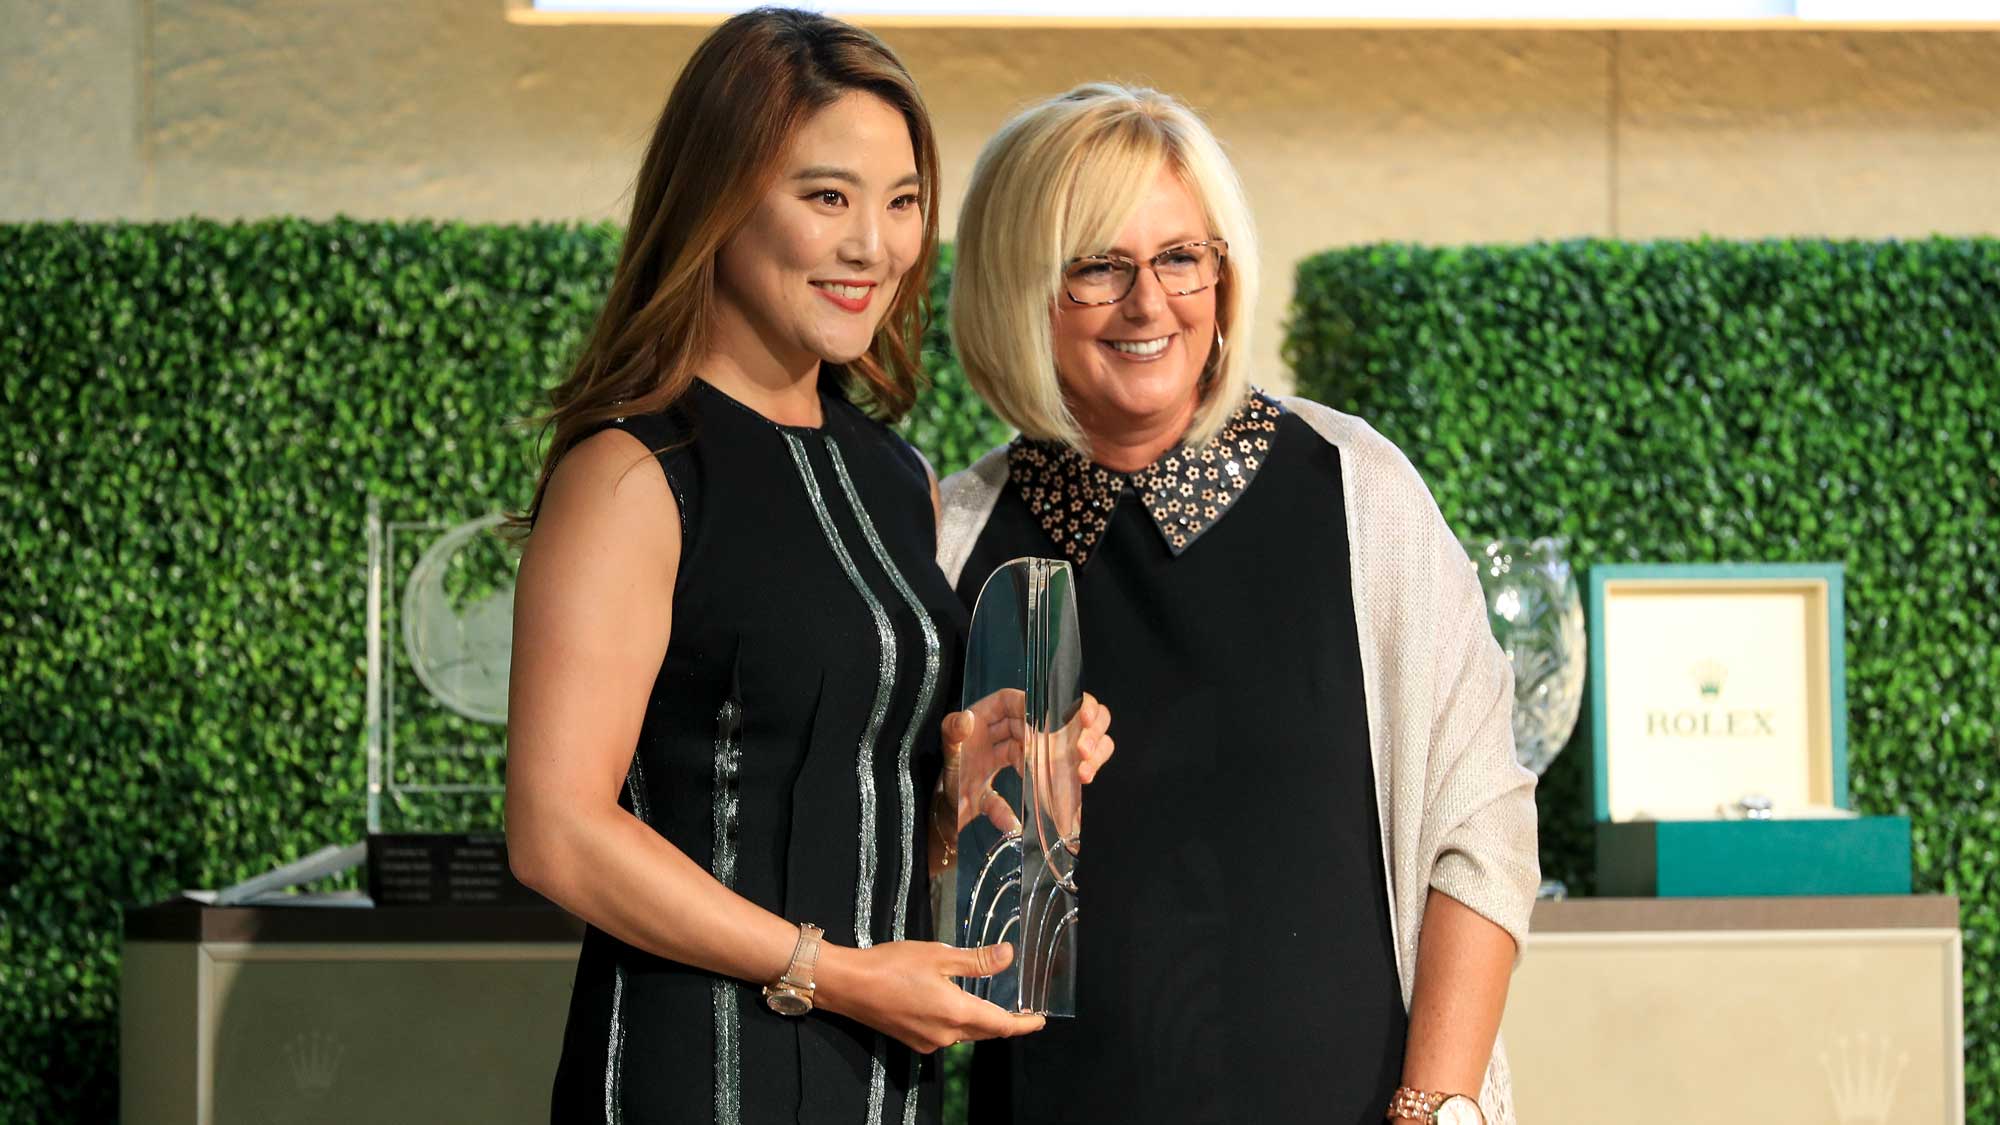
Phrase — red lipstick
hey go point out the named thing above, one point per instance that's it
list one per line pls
(850, 304)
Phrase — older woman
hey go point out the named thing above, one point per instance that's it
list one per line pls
(1308, 881)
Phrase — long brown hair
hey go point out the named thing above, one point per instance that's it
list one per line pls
(748, 86)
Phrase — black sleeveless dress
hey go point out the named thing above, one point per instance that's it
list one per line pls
(789, 745)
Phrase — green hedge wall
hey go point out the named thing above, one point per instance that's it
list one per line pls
(197, 415)
(1729, 402)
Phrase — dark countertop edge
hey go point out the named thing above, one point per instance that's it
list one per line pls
(1814, 912)
(188, 921)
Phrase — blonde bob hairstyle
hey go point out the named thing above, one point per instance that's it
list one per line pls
(1058, 182)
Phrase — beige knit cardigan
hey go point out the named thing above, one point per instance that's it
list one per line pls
(1457, 812)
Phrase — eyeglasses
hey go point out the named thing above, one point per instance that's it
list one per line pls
(1105, 279)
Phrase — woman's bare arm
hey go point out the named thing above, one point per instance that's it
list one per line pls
(592, 611)
(1463, 965)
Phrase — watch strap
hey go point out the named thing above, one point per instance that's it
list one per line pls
(792, 993)
(798, 972)
(1411, 1103)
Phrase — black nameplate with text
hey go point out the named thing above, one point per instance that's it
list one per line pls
(443, 869)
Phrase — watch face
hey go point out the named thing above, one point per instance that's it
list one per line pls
(1459, 1110)
(786, 1002)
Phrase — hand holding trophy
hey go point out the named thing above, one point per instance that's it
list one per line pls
(1006, 821)
(990, 736)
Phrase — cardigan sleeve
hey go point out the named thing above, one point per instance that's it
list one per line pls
(966, 499)
(1480, 815)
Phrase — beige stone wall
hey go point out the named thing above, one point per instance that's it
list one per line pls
(393, 108)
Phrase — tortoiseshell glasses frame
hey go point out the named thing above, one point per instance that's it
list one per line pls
(1182, 269)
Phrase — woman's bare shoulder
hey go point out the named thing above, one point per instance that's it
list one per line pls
(609, 491)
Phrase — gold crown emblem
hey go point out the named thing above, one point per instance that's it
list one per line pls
(1708, 676)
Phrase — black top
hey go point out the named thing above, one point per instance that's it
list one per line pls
(787, 746)
(1235, 954)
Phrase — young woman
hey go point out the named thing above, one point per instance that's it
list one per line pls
(732, 648)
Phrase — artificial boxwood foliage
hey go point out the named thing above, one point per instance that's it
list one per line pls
(196, 416)
(1729, 402)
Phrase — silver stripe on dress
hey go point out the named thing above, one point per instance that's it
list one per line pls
(614, 1053)
(885, 686)
(878, 1081)
(614, 1108)
(635, 785)
(927, 687)
(728, 1055)
(864, 768)
(726, 805)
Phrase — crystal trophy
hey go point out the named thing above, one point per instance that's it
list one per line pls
(1536, 613)
(440, 623)
(1014, 878)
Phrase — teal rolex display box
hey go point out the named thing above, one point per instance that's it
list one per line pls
(1718, 720)
(1867, 855)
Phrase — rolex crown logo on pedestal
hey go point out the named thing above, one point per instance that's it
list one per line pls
(1862, 1073)
(314, 1058)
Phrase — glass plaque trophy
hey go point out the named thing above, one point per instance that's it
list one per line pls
(1014, 878)
(440, 641)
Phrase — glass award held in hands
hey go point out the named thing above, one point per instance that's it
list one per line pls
(1019, 799)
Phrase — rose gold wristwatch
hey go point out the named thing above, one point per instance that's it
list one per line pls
(792, 993)
(1434, 1108)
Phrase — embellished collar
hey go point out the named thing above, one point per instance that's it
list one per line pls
(1187, 491)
